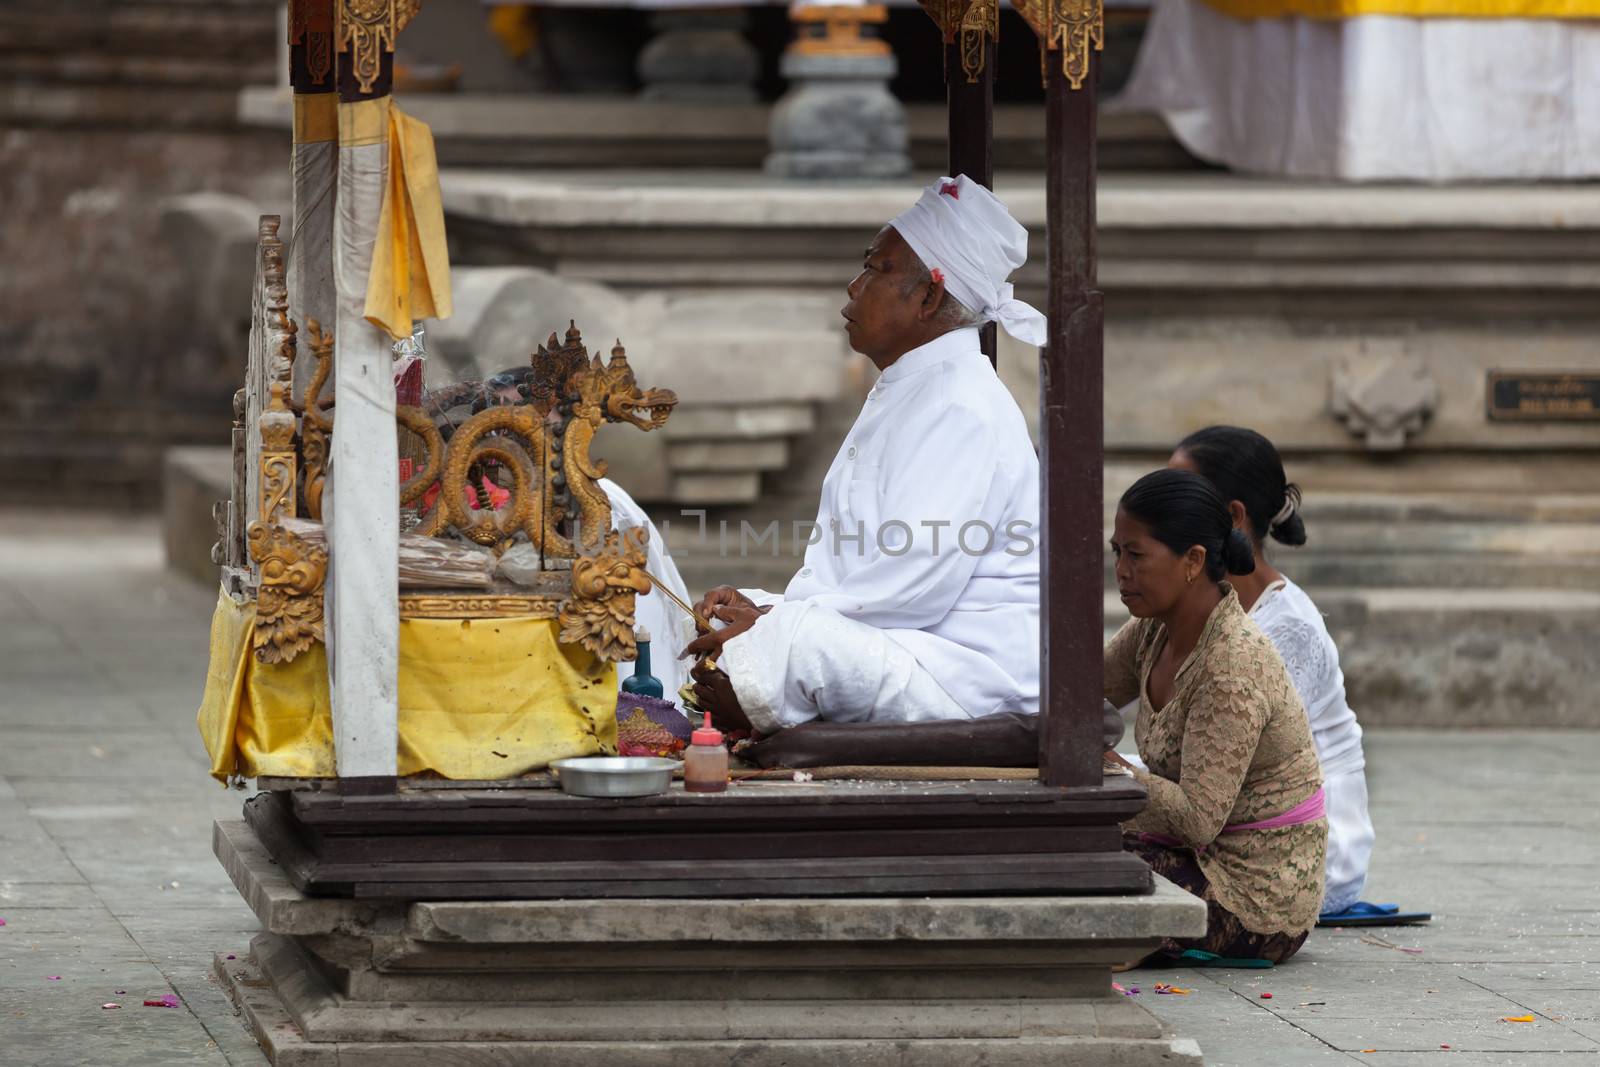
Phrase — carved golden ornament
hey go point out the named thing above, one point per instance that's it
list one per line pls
(311, 22)
(315, 424)
(472, 443)
(368, 28)
(434, 606)
(948, 15)
(289, 597)
(598, 613)
(1076, 28)
(567, 397)
(277, 421)
(604, 392)
(277, 486)
(980, 26)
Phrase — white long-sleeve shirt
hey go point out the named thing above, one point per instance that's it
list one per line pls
(928, 529)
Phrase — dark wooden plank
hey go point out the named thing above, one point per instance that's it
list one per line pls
(1072, 454)
(628, 869)
(284, 838)
(465, 819)
(552, 848)
(1095, 873)
(829, 802)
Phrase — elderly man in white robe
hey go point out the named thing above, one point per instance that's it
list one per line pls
(920, 599)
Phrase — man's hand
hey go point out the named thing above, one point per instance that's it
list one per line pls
(713, 692)
(738, 619)
(722, 596)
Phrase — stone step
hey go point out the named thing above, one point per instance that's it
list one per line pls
(1433, 570)
(171, 64)
(526, 129)
(726, 422)
(1459, 658)
(724, 487)
(692, 457)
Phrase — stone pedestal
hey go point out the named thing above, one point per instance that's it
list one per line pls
(699, 57)
(838, 119)
(661, 983)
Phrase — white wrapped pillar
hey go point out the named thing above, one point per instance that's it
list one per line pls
(362, 498)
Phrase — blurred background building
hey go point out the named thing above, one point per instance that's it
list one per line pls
(1393, 278)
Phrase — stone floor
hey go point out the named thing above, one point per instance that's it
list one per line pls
(110, 894)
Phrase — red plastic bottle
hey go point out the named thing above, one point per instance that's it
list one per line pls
(705, 762)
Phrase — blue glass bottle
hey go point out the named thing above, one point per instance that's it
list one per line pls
(641, 682)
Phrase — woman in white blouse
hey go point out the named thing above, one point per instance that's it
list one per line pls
(1246, 469)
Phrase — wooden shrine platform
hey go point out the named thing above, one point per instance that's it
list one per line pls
(383, 840)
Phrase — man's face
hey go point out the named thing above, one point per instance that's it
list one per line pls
(882, 320)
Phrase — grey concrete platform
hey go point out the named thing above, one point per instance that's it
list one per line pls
(997, 980)
(104, 803)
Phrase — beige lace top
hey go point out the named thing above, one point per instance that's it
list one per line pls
(1231, 746)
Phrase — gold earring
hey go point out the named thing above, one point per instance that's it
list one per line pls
(1191, 579)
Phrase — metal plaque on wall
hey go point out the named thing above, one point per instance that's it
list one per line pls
(1544, 396)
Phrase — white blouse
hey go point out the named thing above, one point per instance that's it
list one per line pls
(1291, 620)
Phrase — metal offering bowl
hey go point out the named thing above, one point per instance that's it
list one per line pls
(614, 776)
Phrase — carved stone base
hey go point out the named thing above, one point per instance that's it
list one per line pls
(660, 983)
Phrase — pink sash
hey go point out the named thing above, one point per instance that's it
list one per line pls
(1310, 809)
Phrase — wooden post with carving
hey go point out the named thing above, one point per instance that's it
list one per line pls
(1071, 399)
(969, 89)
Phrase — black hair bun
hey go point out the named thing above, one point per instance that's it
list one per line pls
(1291, 531)
(1237, 555)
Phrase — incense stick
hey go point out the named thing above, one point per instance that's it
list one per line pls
(657, 583)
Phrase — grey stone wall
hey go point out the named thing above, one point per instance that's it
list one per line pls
(105, 110)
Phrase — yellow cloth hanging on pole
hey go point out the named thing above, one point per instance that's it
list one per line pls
(479, 699)
(1453, 9)
(410, 277)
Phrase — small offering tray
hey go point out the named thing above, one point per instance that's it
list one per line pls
(614, 776)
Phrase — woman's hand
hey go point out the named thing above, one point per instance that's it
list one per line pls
(1113, 756)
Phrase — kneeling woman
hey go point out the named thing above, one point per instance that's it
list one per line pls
(1236, 808)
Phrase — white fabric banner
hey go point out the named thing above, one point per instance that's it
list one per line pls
(1376, 96)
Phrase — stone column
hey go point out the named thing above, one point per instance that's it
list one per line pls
(838, 119)
(699, 55)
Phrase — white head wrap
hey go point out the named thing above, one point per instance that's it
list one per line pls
(961, 230)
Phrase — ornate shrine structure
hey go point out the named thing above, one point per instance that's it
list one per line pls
(419, 909)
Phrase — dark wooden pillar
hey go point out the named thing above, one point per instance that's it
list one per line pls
(1072, 445)
(971, 116)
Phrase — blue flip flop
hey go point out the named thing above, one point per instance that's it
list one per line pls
(1362, 913)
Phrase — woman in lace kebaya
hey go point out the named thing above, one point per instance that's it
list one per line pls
(1235, 813)
(1246, 469)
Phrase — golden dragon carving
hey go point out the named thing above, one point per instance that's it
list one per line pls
(540, 440)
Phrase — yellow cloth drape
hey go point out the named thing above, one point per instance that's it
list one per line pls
(316, 117)
(410, 276)
(479, 698)
(1456, 9)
